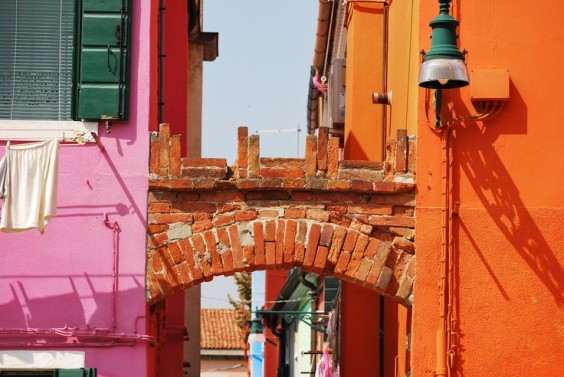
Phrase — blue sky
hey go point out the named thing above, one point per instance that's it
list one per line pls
(259, 80)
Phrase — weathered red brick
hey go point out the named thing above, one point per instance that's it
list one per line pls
(280, 230)
(175, 253)
(342, 263)
(320, 259)
(198, 162)
(281, 173)
(183, 272)
(299, 253)
(170, 218)
(312, 244)
(311, 155)
(191, 207)
(290, 242)
(322, 147)
(211, 244)
(154, 156)
(227, 259)
(202, 225)
(199, 216)
(254, 155)
(333, 158)
(249, 253)
(404, 244)
(401, 151)
(243, 150)
(326, 235)
(269, 213)
(363, 270)
(361, 165)
(317, 215)
(238, 256)
(222, 196)
(159, 207)
(158, 228)
(184, 196)
(223, 219)
(164, 149)
(293, 183)
(357, 185)
(270, 254)
(189, 256)
(267, 195)
(371, 209)
(260, 257)
(339, 219)
(271, 183)
(270, 231)
(361, 227)
(247, 215)
(203, 183)
(316, 183)
(248, 184)
(356, 255)
(350, 241)
(336, 245)
(175, 156)
(157, 240)
(227, 207)
(276, 162)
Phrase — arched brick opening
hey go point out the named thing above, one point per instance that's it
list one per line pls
(348, 253)
(350, 219)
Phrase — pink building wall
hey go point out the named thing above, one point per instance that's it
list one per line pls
(65, 277)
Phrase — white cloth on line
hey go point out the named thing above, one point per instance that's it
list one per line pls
(29, 185)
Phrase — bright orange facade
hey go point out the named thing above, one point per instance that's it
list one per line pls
(501, 221)
(508, 255)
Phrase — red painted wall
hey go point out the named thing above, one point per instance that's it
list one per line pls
(174, 68)
(275, 280)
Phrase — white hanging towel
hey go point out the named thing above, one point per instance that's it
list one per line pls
(28, 185)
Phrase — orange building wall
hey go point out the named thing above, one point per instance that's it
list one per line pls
(363, 120)
(508, 245)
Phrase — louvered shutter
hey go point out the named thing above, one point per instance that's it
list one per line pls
(103, 60)
(36, 59)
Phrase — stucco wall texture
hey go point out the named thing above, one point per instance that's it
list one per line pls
(65, 277)
(508, 250)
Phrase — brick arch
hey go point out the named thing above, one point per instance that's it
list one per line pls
(350, 219)
(349, 253)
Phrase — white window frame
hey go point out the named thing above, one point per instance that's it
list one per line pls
(33, 130)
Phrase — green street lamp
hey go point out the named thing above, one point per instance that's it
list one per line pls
(443, 65)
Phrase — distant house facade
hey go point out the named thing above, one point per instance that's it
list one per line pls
(222, 344)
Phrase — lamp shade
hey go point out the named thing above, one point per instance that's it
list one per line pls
(256, 335)
(443, 66)
(443, 73)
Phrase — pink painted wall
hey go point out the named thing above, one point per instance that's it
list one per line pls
(65, 276)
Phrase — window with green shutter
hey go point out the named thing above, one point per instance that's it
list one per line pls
(64, 59)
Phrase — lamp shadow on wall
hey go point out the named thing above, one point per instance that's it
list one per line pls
(499, 194)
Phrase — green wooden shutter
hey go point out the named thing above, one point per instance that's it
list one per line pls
(103, 74)
(82, 372)
(36, 59)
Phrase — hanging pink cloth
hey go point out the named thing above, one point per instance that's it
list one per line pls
(324, 366)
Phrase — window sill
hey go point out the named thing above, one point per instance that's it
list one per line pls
(32, 130)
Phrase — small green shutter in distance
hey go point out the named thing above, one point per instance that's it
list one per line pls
(103, 84)
(82, 372)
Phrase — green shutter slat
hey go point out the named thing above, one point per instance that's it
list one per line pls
(36, 59)
(82, 372)
(104, 60)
